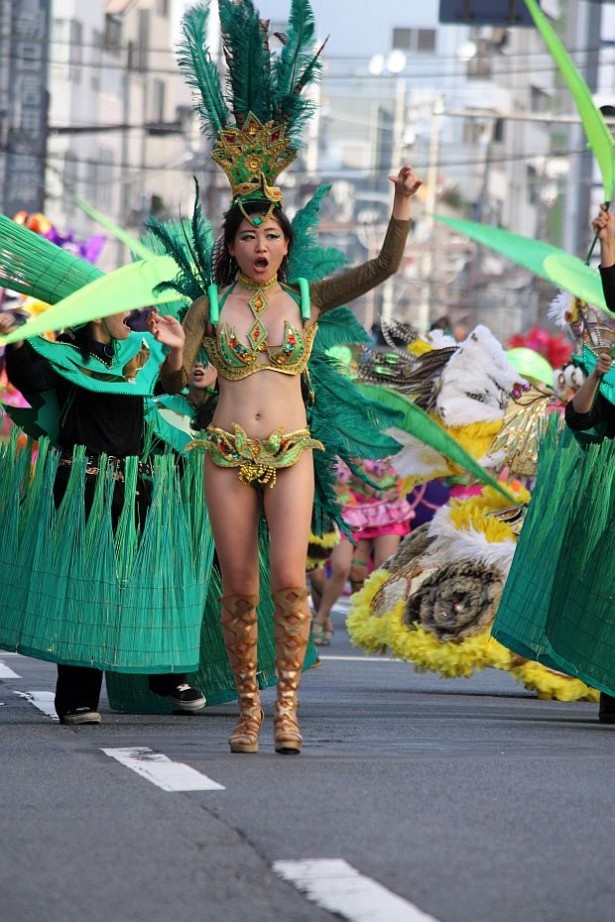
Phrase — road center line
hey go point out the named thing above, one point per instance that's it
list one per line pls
(160, 770)
(6, 673)
(336, 886)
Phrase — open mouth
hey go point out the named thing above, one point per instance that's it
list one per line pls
(261, 263)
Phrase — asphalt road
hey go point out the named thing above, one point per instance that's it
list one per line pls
(415, 797)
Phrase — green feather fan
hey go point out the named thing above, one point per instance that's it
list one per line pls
(38, 268)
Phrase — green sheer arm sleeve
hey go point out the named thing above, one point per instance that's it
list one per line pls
(351, 284)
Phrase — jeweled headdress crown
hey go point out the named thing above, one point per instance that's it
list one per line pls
(258, 118)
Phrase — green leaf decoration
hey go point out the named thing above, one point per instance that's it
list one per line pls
(547, 261)
(418, 423)
(125, 289)
(134, 245)
(596, 129)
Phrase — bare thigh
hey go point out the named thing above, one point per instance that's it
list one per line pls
(288, 509)
(384, 547)
(233, 512)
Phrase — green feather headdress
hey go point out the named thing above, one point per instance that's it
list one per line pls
(257, 118)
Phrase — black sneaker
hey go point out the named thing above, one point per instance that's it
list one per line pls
(606, 713)
(80, 716)
(187, 698)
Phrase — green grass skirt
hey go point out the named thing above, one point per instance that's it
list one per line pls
(132, 603)
(558, 604)
(74, 591)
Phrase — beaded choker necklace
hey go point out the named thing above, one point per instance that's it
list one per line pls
(258, 304)
(246, 282)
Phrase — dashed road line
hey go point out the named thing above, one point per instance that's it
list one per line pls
(358, 659)
(7, 673)
(43, 700)
(160, 770)
(336, 886)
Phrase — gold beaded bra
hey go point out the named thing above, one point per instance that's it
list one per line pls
(235, 360)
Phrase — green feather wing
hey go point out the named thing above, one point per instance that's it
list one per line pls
(338, 327)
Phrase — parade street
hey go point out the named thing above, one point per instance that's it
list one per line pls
(414, 798)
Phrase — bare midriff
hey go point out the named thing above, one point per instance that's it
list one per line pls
(261, 403)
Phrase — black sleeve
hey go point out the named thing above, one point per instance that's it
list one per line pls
(602, 413)
(28, 371)
(608, 286)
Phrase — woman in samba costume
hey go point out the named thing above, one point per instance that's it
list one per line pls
(259, 334)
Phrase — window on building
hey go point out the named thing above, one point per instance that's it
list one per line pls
(142, 56)
(76, 50)
(162, 7)
(533, 196)
(60, 45)
(95, 58)
(418, 41)
(158, 100)
(104, 179)
(498, 130)
(480, 65)
(472, 131)
(540, 101)
(113, 34)
(70, 179)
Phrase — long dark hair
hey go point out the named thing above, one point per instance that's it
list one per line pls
(225, 266)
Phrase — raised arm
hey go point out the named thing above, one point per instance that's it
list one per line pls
(174, 373)
(351, 284)
(604, 226)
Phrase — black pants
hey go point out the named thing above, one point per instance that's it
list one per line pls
(80, 686)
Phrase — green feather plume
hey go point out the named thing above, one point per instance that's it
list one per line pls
(295, 67)
(350, 426)
(308, 259)
(246, 49)
(200, 70)
(190, 243)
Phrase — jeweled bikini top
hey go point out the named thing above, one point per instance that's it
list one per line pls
(235, 360)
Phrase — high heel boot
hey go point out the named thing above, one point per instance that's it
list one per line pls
(291, 619)
(240, 632)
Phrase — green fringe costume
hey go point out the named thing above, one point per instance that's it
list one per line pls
(557, 605)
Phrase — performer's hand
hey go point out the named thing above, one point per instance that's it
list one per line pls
(166, 329)
(604, 224)
(406, 182)
(604, 363)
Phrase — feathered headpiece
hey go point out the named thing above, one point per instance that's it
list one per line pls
(257, 119)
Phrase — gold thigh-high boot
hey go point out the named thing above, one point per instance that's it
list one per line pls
(240, 632)
(292, 630)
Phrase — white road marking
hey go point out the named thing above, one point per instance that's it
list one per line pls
(359, 659)
(160, 770)
(43, 700)
(336, 886)
(6, 673)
